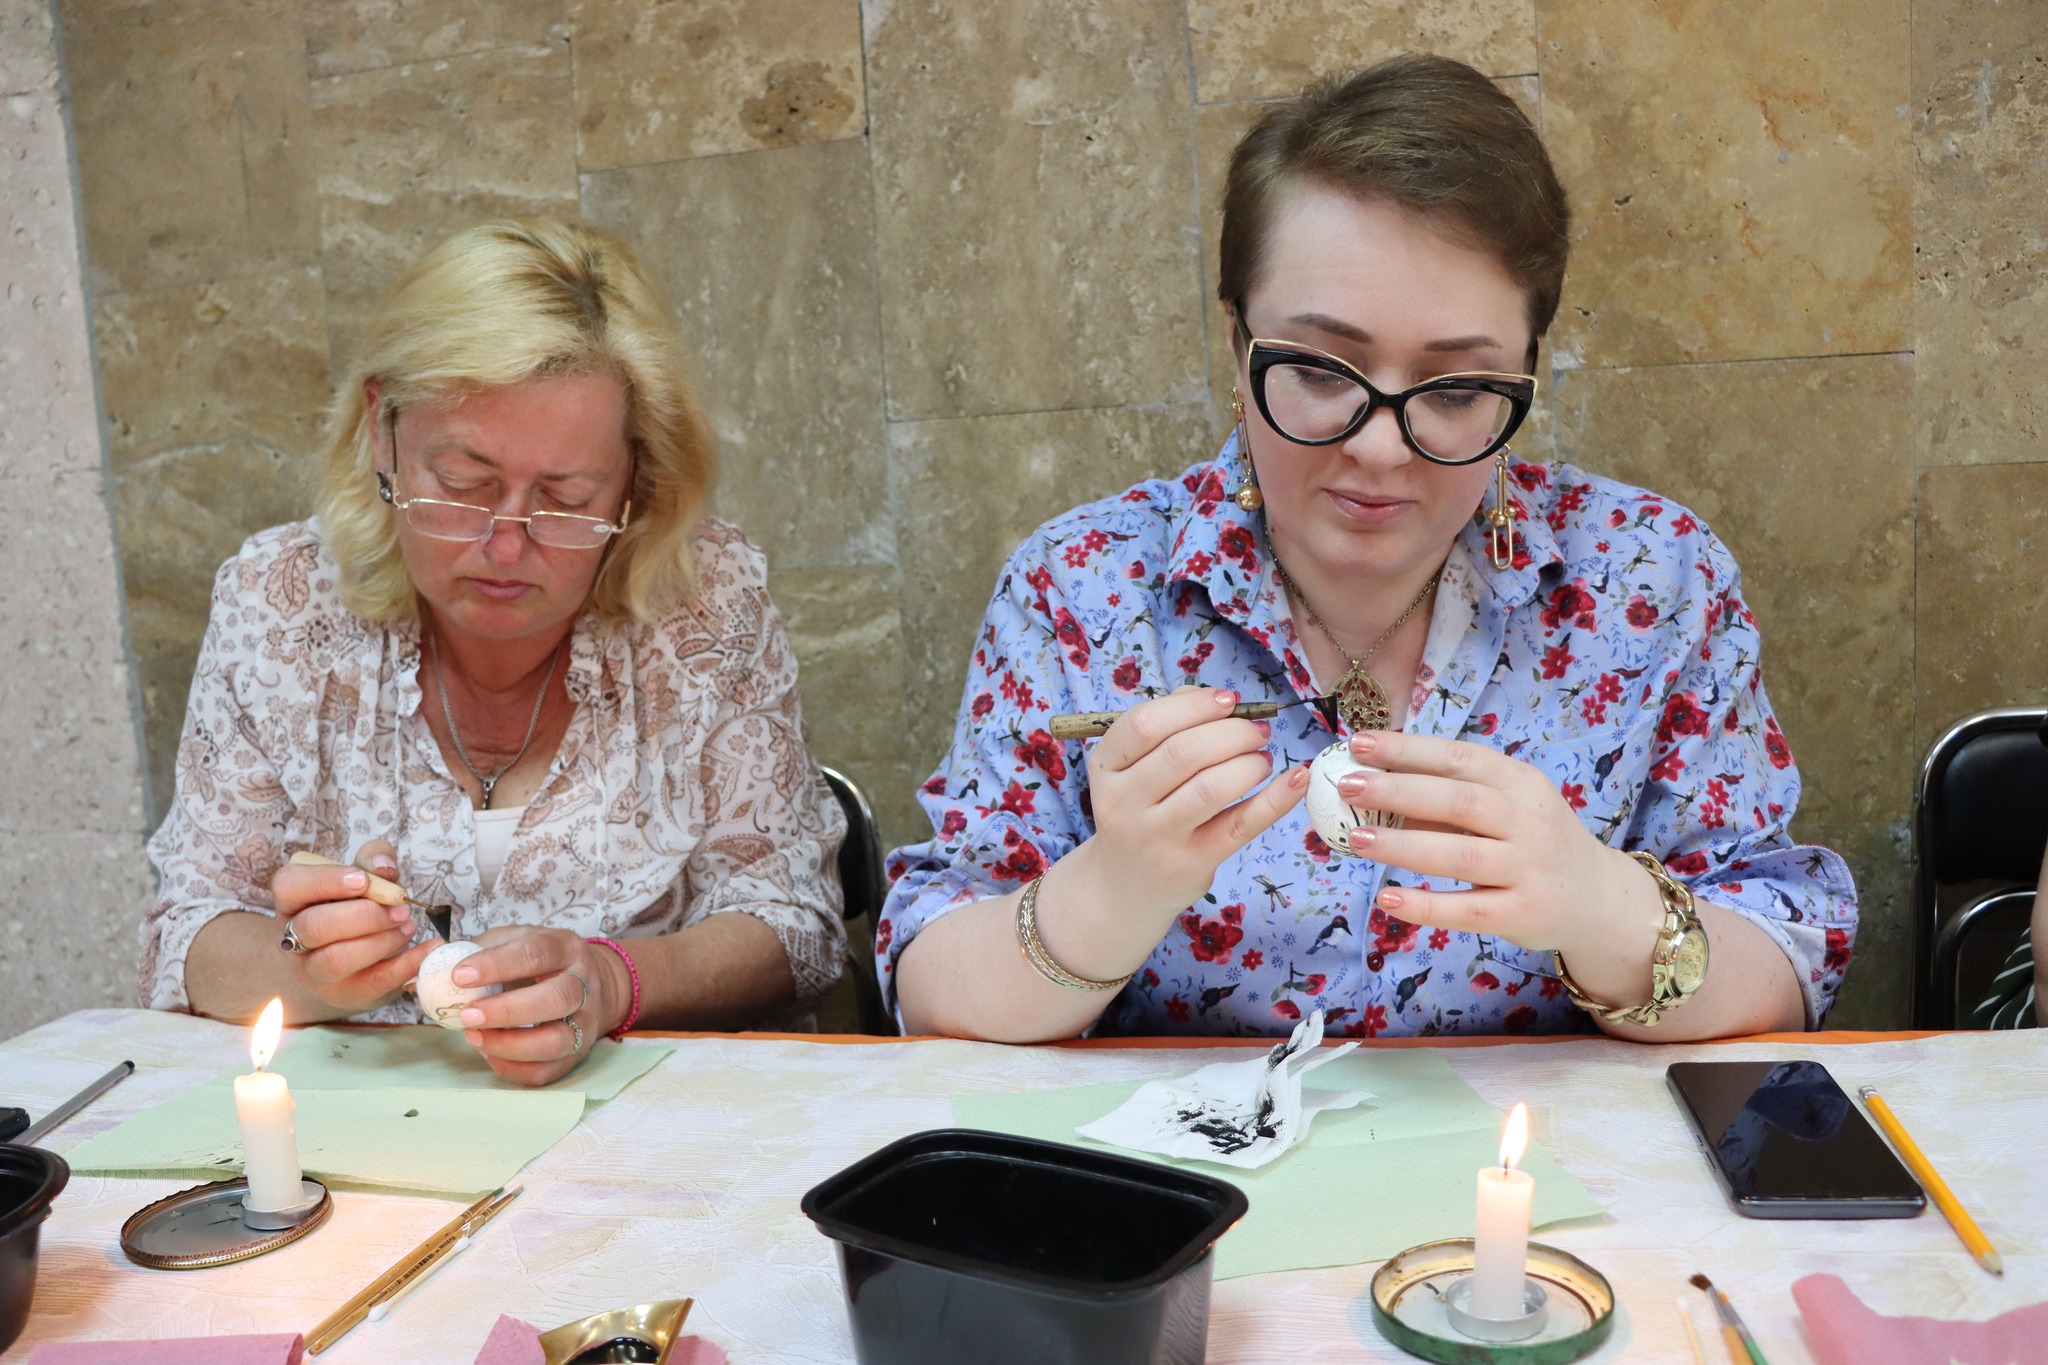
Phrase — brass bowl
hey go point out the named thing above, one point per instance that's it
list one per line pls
(624, 1334)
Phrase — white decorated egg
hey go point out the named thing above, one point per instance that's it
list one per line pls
(440, 998)
(1332, 816)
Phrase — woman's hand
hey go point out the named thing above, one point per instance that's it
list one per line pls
(1539, 878)
(357, 956)
(1168, 785)
(551, 976)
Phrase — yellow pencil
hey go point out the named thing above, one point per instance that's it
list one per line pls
(1923, 1171)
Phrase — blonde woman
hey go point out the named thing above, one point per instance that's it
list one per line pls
(512, 666)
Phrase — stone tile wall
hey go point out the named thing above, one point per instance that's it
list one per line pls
(72, 877)
(946, 269)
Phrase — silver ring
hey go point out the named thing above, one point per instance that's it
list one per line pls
(571, 971)
(290, 942)
(576, 1029)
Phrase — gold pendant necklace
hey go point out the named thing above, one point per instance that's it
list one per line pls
(1360, 698)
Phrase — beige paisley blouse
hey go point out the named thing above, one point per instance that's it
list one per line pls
(683, 787)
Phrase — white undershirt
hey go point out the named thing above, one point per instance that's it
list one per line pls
(494, 842)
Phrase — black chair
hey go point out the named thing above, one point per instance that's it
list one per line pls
(860, 877)
(1980, 821)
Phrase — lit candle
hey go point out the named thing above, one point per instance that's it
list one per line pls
(263, 1107)
(1501, 1249)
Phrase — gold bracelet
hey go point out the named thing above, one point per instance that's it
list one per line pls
(1034, 951)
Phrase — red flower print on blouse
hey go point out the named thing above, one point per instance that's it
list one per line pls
(1025, 862)
(1484, 982)
(1837, 951)
(1682, 716)
(1236, 544)
(1069, 633)
(1199, 563)
(1608, 689)
(984, 703)
(1317, 849)
(1693, 864)
(1390, 935)
(1557, 659)
(1775, 745)
(1667, 768)
(1574, 795)
(1207, 486)
(1017, 800)
(1439, 939)
(1286, 1009)
(1253, 960)
(1192, 661)
(1176, 1009)
(955, 821)
(884, 932)
(1520, 1019)
(1371, 1026)
(1126, 676)
(1213, 940)
(1041, 751)
(935, 785)
(1137, 569)
(1641, 615)
(1570, 604)
(1486, 724)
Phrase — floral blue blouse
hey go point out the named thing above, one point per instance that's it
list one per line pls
(1615, 655)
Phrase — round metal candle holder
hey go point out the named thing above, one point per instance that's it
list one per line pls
(207, 1226)
(1410, 1306)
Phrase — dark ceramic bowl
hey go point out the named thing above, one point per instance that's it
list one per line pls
(957, 1245)
(30, 1178)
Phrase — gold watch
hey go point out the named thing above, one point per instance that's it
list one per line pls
(1678, 964)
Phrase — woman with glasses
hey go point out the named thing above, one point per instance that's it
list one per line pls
(512, 667)
(1577, 805)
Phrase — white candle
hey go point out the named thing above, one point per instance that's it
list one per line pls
(263, 1108)
(1501, 1248)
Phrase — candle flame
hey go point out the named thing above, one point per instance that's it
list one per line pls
(1515, 1138)
(263, 1038)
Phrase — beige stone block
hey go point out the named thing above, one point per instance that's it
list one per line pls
(846, 627)
(1740, 178)
(47, 972)
(193, 153)
(768, 259)
(1218, 130)
(48, 413)
(664, 82)
(28, 47)
(1981, 618)
(412, 154)
(1804, 470)
(362, 35)
(1262, 49)
(202, 364)
(66, 707)
(1035, 205)
(968, 490)
(1980, 76)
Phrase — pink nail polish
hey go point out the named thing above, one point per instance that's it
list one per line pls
(463, 976)
(1364, 837)
(400, 914)
(355, 881)
(1226, 698)
(472, 1018)
(1299, 777)
(1390, 899)
(1265, 727)
(1363, 744)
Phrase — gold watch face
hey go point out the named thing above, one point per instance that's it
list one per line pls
(1689, 963)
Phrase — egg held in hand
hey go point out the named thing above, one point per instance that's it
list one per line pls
(440, 998)
(1332, 816)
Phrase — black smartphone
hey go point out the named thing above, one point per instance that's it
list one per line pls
(1785, 1142)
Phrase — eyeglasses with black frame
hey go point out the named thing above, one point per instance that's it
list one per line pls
(438, 519)
(1316, 399)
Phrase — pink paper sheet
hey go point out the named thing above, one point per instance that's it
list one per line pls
(513, 1342)
(1844, 1331)
(283, 1348)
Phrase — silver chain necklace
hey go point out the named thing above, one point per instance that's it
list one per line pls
(489, 784)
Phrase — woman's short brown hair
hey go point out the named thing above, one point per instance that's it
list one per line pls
(501, 303)
(1423, 132)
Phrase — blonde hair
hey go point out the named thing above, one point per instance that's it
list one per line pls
(498, 304)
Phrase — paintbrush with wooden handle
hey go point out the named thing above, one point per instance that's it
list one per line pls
(1089, 724)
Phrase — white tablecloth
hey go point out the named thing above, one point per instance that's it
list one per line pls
(688, 1183)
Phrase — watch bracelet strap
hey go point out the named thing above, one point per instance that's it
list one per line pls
(1029, 944)
(1678, 902)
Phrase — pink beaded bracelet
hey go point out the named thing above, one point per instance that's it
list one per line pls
(632, 1015)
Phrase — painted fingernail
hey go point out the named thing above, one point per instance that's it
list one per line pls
(353, 880)
(1226, 698)
(1390, 899)
(464, 976)
(1364, 837)
(1351, 788)
(472, 1018)
(1363, 744)
(1265, 727)
(387, 870)
(1299, 777)
(473, 1038)
(400, 913)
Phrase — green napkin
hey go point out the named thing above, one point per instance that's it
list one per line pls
(427, 1056)
(451, 1142)
(414, 1109)
(1398, 1170)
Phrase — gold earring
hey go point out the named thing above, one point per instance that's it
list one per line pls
(1248, 497)
(1500, 530)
